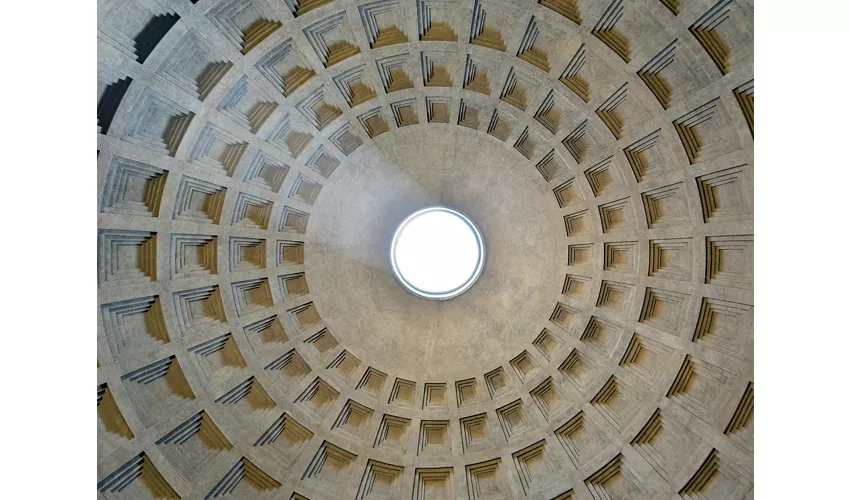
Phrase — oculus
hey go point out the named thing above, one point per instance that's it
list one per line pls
(437, 253)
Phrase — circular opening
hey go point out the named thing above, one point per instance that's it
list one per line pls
(437, 253)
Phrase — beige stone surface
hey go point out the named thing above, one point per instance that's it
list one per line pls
(254, 158)
(347, 253)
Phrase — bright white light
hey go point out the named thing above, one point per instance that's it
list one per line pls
(437, 253)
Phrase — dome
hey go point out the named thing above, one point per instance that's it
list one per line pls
(255, 160)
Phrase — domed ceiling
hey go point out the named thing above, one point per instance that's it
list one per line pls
(254, 160)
